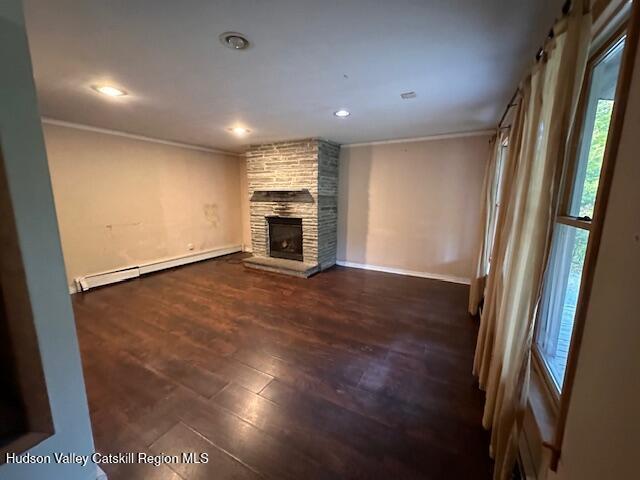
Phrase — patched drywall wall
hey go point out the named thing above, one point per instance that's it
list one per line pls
(121, 202)
(412, 206)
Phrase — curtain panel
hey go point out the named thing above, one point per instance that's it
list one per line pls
(485, 233)
(532, 171)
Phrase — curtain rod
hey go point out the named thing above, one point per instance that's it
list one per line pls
(566, 8)
(512, 103)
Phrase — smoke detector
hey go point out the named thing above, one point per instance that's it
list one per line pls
(234, 41)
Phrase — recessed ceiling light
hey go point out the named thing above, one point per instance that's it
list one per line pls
(240, 131)
(234, 41)
(109, 90)
(342, 113)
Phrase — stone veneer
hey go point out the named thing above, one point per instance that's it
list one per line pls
(296, 165)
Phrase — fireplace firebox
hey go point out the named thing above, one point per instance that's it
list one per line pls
(285, 237)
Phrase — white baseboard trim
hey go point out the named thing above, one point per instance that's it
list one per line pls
(402, 271)
(88, 282)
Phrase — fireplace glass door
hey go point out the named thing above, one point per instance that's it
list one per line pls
(285, 237)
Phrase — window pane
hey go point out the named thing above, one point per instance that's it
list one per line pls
(560, 297)
(497, 193)
(595, 130)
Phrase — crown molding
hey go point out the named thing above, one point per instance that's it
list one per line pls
(474, 133)
(118, 133)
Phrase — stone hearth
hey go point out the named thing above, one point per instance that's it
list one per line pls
(281, 265)
(297, 180)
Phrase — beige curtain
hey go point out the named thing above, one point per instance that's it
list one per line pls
(485, 234)
(531, 179)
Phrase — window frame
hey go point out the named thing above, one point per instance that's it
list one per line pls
(496, 186)
(562, 215)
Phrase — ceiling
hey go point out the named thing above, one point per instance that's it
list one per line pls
(308, 58)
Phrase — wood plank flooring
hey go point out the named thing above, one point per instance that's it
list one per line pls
(348, 375)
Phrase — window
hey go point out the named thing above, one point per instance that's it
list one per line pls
(573, 224)
(496, 188)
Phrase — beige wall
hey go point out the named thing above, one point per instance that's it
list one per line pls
(121, 202)
(602, 438)
(412, 205)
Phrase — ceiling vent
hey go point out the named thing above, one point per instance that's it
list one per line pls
(408, 95)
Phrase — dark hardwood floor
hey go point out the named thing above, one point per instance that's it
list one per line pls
(349, 374)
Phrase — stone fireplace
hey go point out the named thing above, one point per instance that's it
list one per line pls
(293, 190)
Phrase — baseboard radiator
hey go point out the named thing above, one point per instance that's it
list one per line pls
(82, 284)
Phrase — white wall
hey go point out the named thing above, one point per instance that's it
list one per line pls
(413, 205)
(32, 199)
(602, 437)
(122, 202)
